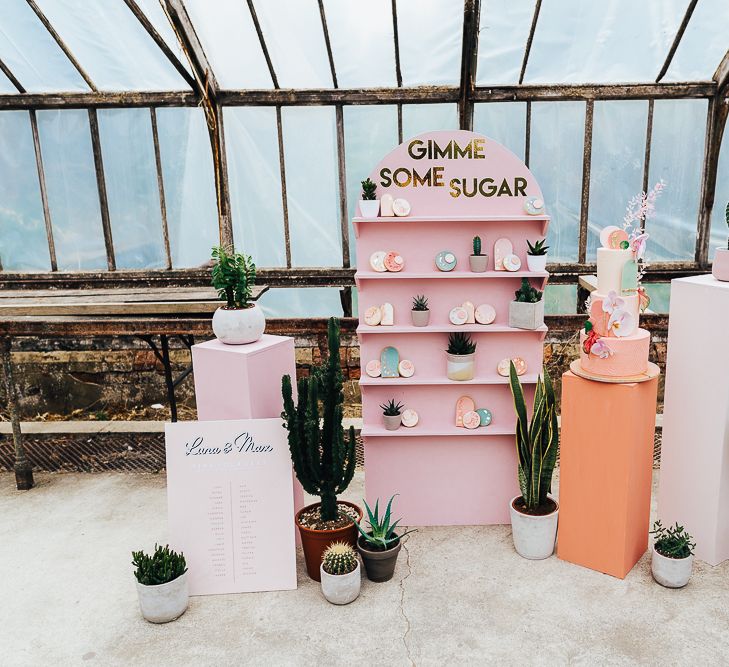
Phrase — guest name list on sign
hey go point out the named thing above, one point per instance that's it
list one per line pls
(230, 504)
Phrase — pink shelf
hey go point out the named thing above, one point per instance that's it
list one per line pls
(453, 431)
(478, 219)
(463, 275)
(447, 328)
(367, 381)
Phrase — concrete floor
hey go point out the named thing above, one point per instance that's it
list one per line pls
(460, 596)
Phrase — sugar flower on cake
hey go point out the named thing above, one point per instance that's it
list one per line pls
(621, 323)
(601, 349)
(637, 245)
(612, 302)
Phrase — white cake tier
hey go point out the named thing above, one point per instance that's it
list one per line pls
(610, 263)
(600, 318)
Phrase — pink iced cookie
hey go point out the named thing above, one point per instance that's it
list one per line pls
(519, 364)
(470, 312)
(485, 313)
(502, 248)
(459, 315)
(616, 237)
(406, 368)
(394, 261)
(373, 316)
(373, 368)
(472, 419)
(512, 263)
(463, 405)
(409, 418)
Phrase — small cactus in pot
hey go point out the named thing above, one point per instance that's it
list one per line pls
(341, 577)
(526, 311)
(478, 261)
(420, 312)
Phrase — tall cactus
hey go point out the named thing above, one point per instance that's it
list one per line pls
(323, 460)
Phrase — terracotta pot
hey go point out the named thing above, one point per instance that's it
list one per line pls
(379, 565)
(720, 268)
(315, 542)
(420, 317)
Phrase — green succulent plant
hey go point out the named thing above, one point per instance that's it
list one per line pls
(538, 248)
(672, 542)
(234, 275)
(420, 302)
(527, 294)
(368, 190)
(476, 246)
(391, 408)
(163, 566)
(381, 535)
(460, 343)
(339, 558)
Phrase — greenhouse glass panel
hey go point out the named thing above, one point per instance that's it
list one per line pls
(73, 194)
(560, 299)
(703, 45)
(153, 11)
(310, 149)
(231, 43)
(23, 241)
(419, 118)
(503, 32)
(131, 187)
(719, 226)
(677, 151)
(112, 46)
(6, 86)
(618, 155)
(596, 42)
(32, 55)
(189, 184)
(430, 34)
(557, 139)
(254, 173)
(363, 43)
(504, 122)
(302, 302)
(294, 38)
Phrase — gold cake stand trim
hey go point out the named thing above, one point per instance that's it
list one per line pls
(652, 373)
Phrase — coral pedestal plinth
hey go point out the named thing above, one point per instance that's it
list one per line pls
(244, 382)
(694, 481)
(606, 465)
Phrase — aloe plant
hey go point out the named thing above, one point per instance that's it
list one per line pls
(420, 302)
(538, 248)
(460, 343)
(392, 408)
(536, 441)
(381, 535)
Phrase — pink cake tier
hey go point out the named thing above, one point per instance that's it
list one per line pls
(600, 318)
(629, 355)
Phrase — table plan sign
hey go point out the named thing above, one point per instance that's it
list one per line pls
(230, 504)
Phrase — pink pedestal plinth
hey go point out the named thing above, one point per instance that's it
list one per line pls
(694, 482)
(244, 382)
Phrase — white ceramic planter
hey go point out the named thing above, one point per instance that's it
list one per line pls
(369, 208)
(478, 263)
(165, 602)
(534, 536)
(524, 315)
(720, 268)
(392, 422)
(459, 366)
(420, 317)
(238, 326)
(537, 262)
(671, 572)
(341, 588)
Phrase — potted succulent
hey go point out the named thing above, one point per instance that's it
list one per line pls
(459, 356)
(392, 414)
(161, 584)
(526, 311)
(420, 311)
(537, 255)
(240, 320)
(673, 555)
(369, 206)
(323, 458)
(534, 513)
(341, 576)
(477, 261)
(720, 267)
(380, 545)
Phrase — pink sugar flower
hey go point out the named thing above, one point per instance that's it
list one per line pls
(600, 349)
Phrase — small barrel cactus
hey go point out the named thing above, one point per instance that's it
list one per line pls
(476, 246)
(339, 558)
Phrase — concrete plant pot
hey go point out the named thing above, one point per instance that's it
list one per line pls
(369, 208)
(478, 263)
(164, 602)
(460, 366)
(341, 588)
(720, 268)
(239, 326)
(420, 317)
(524, 315)
(534, 536)
(537, 262)
(671, 572)
(379, 565)
(392, 422)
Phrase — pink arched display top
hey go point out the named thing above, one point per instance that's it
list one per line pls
(456, 173)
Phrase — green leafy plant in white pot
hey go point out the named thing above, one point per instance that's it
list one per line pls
(534, 513)
(341, 576)
(720, 267)
(240, 320)
(537, 255)
(526, 311)
(369, 205)
(161, 584)
(673, 555)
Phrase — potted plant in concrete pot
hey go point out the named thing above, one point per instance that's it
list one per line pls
(720, 267)
(673, 555)
(380, 545)
(534, 513)
(369, 206)
(477, 261)
(239, 321)
(161, 584)
(420, 312)
(392, 414)
(526, 311)
(341, 576)
(323, 458)
(537, 255)
(459, 356)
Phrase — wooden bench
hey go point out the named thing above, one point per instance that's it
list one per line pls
(152, 314)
